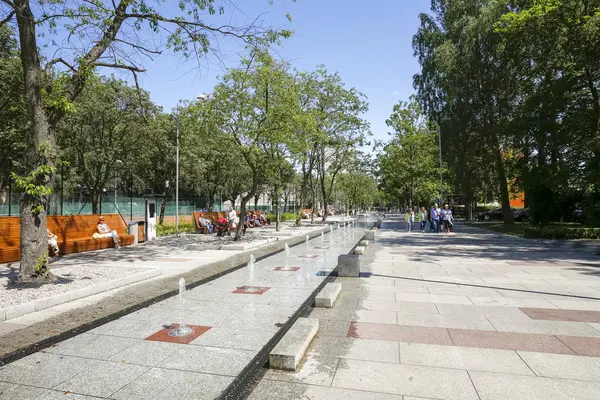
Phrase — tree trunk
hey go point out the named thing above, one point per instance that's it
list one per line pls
(163, 206)
(95, 201)
(506, 211)
(277, 213)
(34, 243)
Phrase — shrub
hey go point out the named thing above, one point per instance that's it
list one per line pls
(561, 232)
(169, 229)
(284, 217)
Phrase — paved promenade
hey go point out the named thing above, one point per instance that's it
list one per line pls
(470, 316)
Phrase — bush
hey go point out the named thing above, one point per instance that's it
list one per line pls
(561, 232)
(284, 217)
(169, 229)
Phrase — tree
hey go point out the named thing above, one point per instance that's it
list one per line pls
(409, 166)
(468, 88)
(13, 111)
(254, 107)
(337, 113)
(101, 137)
(359, 190)
(100, 35)
(553, 45)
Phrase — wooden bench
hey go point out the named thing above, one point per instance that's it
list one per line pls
(213, 216)
(306, 211)
(10, 239)
(74, 234)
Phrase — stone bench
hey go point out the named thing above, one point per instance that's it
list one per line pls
(291, 348)
(360, 250)
(349, 265)
(328, 295)
(370, 235)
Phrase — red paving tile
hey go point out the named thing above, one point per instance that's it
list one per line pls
(583, 346)
(286, 269)
(481, 339)
(163, 334)
(509, 341)
(399, 333)
(251, 289)
(562, 315)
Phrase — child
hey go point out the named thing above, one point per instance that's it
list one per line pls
(411, 220)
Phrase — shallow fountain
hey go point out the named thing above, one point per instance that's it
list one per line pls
(251, 267)
(182, 329)
(287, 250)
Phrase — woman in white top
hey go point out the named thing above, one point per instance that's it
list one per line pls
(447, 216)
(104, 231)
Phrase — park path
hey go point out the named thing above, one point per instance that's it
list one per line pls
(232, 317)
(472, 315)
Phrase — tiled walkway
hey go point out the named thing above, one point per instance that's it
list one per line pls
(471, 315)
(131, 358)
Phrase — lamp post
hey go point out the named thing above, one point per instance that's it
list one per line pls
(439, 132)
(177, 173)
(118, 163)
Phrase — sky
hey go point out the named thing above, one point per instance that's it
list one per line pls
(368, 43)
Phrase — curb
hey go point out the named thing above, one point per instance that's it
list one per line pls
(22, 309)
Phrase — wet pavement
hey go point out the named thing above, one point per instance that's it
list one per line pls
(232, 318)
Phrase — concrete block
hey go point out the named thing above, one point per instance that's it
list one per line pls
(370, 235)
(291, 348)
(360, 250)
(364, 243)
(19, 310)
(349, 265)
(328, 295)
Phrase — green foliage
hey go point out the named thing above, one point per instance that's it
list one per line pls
(409, 163)
(169, 229)
(561, 232)
(514, 87)
(41, 266)
(288, 216)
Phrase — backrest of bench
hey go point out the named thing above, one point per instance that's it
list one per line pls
(66, 227)
(10, 231)
(73, 227)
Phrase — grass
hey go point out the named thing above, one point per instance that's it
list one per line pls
(169, 229)
(553, 230)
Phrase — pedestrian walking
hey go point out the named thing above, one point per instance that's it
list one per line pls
(448, 219)
(423, 218)
(411, 220)
(435, 217)
(406, 220)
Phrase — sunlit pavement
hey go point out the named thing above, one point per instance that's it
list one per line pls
(470, 315)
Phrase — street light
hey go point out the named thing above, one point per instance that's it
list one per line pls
(177, 173)
(118, 163)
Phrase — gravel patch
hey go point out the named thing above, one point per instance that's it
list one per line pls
(69, 278)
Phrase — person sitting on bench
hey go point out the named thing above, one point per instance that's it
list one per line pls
(53, 243)
(263, 219)
(252, 221)
(206, 223)
(104, 231)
